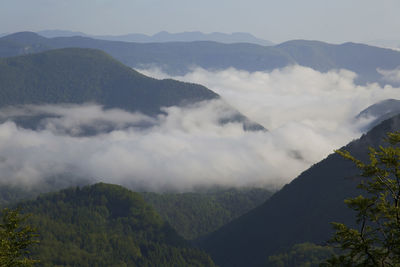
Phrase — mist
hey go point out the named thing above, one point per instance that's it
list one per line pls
(292, 94)
(308, 114)
(184, 148)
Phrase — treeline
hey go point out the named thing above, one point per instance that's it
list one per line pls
(198, 213)
(106, 225)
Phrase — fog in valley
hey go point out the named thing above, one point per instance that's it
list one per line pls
(308, 114)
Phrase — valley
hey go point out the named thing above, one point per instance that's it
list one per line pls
(187, 149)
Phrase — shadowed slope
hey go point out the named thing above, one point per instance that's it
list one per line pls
(300, 212)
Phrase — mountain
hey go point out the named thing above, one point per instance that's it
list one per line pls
(195, 214)
(178, 58)
(163, 36)
(78, 76)
(191, 214)
(379, 112)
(362, 59)
(22, 43)
(105, 225)
(393, 44)
(300, 212)
(61, 33)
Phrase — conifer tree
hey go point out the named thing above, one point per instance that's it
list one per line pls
(15, 238)
(376, 241)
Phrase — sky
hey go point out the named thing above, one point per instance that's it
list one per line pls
(326, 20)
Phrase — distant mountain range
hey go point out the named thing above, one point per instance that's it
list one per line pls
(300, 212)
(178, 58)
(39, 70)
(163, 36)
(394, 44)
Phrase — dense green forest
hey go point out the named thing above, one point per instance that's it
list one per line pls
(301, 255)
(198, 213)
(81, 76)
(301, 211)
(191, 214)
(78, 76)
(105, 225)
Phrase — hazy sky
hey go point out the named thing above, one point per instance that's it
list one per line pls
(326, 20)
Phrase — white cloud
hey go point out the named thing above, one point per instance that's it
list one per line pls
(390, 75)
(308, 114)
(185, 148)
(292, 94)
(72, 118)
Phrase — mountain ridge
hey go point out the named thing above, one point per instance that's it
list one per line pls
(105, 225)
(300, 212)
(55, 76)
(164, 36)
(179, 58)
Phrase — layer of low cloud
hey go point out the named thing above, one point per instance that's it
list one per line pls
(182, 149)
(392, 76)
(292, 94)
(308, 115)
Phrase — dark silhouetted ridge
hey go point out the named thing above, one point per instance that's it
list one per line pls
(300, 212)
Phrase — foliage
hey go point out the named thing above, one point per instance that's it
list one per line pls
(300, 212)
(301, 255)
(106, 225)
(15, 238)
(198, 213)
(12, 194)
(55, 76)
(377, 241)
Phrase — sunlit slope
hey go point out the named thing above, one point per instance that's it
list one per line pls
(105, 225)
(76, 75)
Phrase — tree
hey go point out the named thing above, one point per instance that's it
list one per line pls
(376, 242)
(301, 255)
(15, 238)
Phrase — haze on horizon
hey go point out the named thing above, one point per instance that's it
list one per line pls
(277, 21)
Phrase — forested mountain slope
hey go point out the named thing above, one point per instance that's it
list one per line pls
(105, 225)
(379, 112)
(300, 212)
(76, 75)
(194, 214)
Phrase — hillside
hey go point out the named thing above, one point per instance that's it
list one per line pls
(80, 75)
(362, 59)
(106, 225)
(180, 57)
(85, 75)
(379, 112)
(191, 214)
(300, 212)
(195, 214)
